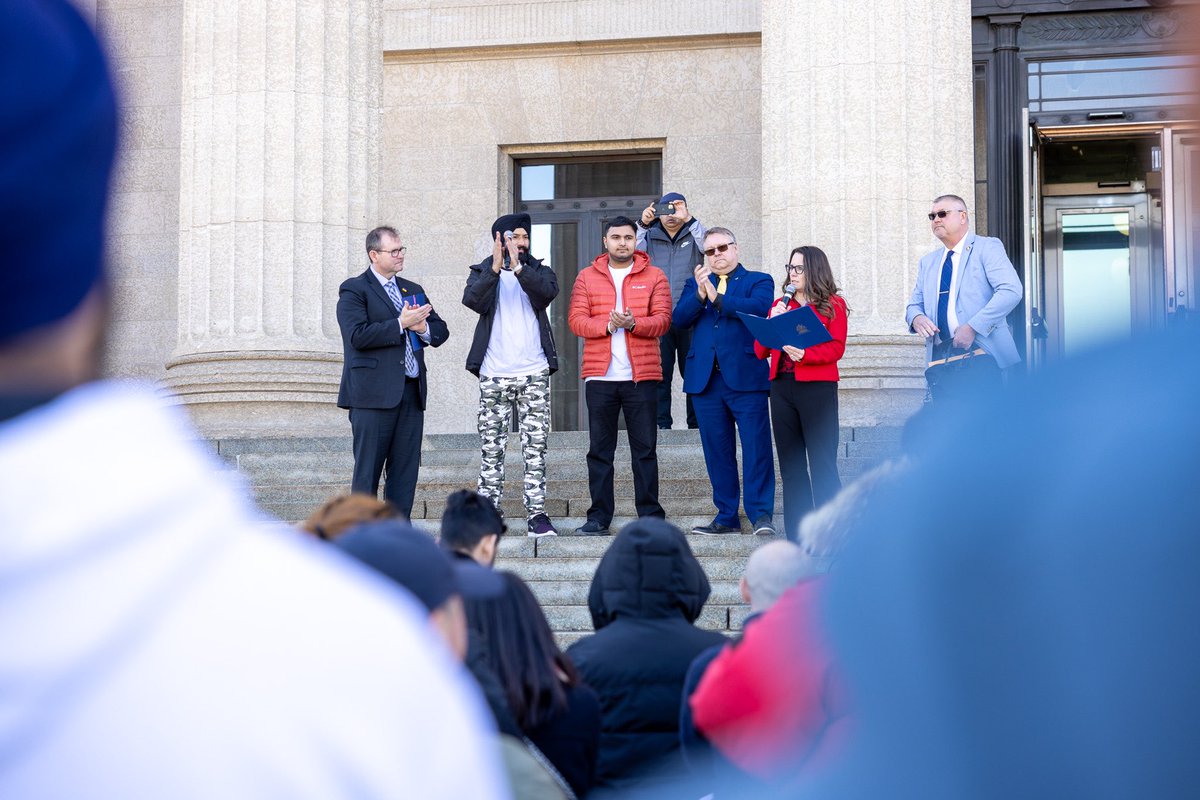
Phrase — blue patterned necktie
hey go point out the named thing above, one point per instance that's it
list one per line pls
(943, 312)
(410, 360)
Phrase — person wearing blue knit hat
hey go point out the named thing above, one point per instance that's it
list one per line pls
(160, 638)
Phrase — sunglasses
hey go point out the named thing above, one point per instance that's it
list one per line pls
(942, 214)
(721, 248)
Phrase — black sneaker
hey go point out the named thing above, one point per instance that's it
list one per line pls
(540, 525)
(714, 528)
(592, 528)
(763, 527)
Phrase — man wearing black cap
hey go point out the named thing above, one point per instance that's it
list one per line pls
(513, 356)
(413, 560)
(671, 236)
(159, 639)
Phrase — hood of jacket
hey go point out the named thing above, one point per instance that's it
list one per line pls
(649, 572)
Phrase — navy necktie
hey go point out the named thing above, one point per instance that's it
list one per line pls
(943, 317)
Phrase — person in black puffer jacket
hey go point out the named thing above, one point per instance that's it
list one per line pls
(645, 596)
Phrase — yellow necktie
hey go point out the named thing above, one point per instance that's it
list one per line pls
(721, 284)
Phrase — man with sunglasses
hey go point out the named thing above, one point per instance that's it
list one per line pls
(728, 384)
(386, 323)
(960, 304)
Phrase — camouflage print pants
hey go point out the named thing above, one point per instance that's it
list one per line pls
(532, 395)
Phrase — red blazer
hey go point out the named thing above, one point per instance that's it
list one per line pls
(820, 360)
(645, 292)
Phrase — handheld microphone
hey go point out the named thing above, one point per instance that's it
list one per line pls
(790, 291)
(508, 235)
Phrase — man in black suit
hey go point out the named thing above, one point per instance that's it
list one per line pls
(386, 324)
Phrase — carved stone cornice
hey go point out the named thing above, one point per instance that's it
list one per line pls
(1103, 27)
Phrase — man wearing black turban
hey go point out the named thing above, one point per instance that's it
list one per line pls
(513, 355)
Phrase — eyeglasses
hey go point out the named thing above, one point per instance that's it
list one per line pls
(721, 248)
(942, 214)
(399, 251)
(794, 268)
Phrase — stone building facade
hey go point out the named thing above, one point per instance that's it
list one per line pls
(261, 140)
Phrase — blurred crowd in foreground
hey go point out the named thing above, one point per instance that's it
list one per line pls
(1009, 612)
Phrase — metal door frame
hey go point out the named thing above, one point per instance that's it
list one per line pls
(1142, 281)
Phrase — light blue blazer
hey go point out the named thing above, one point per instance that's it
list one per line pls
(988, 288)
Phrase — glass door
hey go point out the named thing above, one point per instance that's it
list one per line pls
(1099, 284)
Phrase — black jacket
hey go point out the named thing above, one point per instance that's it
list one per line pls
(647, 592)
(540, 284)
(373, 343)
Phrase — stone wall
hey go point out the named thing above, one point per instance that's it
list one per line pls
(453, 122)
(144, 43)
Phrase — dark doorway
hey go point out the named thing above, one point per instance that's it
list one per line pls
(569, 201)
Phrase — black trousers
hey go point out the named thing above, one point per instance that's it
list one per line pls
(605, 399)
(389, 437)
(673, 346)
(804, 418)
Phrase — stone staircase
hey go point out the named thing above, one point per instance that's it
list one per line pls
(290, 477)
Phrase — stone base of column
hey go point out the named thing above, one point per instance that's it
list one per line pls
(882, 380)
(265, 393)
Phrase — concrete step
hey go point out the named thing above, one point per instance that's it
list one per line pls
(577, 568)
(234, 447)
(574, 593)
(578, 618)
(291, 477)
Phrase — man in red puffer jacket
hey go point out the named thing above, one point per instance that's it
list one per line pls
(620, 306)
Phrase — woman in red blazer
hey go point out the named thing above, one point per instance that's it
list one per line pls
(804, 390)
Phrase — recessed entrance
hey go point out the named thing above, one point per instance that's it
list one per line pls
(569, 201)
(1110, 253)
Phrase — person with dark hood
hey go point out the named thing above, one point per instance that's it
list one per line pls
(1037, 639)
(513, 356)
(644, 599)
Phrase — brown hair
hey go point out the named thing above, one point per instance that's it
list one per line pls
(819, 285)
(339, 514)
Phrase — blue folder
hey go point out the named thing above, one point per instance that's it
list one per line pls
(799, 327)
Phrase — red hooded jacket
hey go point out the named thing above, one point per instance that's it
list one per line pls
(645, 292)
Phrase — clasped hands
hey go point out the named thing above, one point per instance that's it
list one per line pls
(412, 317)
(704, 288)
(498, 248)
(964, 335)
(617, 319)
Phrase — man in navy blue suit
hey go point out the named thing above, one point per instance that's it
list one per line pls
(386, 324)
(728, 384)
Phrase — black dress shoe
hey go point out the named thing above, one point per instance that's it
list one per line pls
(592, 528)
(764, 527)
(714, 528)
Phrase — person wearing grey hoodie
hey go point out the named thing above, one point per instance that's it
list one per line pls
(673, 241)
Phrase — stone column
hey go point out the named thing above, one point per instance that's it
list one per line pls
(278, 186)
(867, 116)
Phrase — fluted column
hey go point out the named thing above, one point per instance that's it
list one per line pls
(278, 186)
(867, 116)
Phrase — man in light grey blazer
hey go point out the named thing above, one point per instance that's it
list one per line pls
(964, 291)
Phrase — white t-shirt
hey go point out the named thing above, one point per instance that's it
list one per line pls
(515, 347)
(619, 368)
